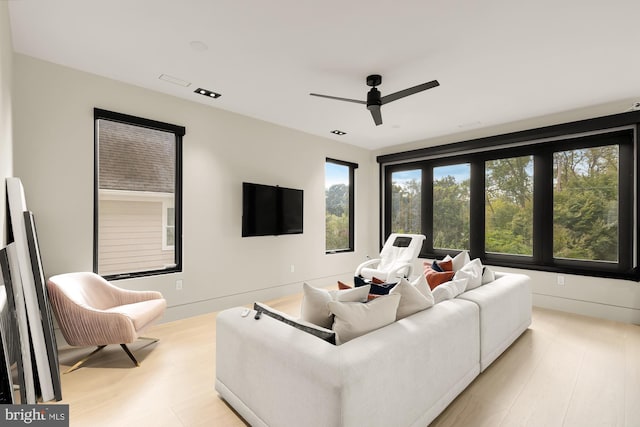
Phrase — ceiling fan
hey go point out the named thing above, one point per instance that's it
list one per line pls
(375, 100)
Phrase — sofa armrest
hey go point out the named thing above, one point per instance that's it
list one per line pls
(265, 366)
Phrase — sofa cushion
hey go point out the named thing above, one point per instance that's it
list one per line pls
(456, 262)
(488, 275)
(325, 334)
(449, 290)
(314, 302)
(420, 283)
(472, 271)
(411, 299)
(460, 260)
(353, 319)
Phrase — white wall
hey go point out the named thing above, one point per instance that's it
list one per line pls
(592, 296)
(6, 121)
(53, 132)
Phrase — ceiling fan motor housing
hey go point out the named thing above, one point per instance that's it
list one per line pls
(373, 97)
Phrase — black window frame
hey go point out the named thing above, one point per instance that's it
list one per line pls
(541, 143)
(352, 168)
(179, 132)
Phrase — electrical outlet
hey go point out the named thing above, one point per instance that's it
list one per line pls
(560, 280)
(178, 285)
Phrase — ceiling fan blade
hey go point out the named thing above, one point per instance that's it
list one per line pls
(410, 91)
(357, 101)
(376, 114)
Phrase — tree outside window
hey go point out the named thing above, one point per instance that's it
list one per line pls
(585, 204)
(339, 206)
(509, 205)
(451, 209)
(406, 196)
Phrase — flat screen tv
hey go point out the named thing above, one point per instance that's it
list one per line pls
(269, 210)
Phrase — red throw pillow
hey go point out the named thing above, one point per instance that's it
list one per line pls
(343, 286)
(446, 265)
(435, 278)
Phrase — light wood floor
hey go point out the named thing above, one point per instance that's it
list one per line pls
(566, 370)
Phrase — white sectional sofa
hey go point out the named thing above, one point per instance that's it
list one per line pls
(404, 374)
(505, 313)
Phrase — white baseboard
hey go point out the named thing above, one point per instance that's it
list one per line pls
(588, 308)
(246, 298)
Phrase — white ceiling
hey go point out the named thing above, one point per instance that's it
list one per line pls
(497, 61)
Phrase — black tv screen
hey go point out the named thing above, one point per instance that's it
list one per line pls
(270, 210)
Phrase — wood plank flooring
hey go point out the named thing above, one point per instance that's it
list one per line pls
(566, 370)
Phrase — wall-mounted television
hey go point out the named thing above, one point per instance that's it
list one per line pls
(269, 210)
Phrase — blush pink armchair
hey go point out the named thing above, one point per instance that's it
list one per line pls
(92, 312)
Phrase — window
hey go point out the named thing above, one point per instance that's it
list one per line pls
(137, 227)
(169, 226)
(554, 199)
(339, 206)
(451, 206)
(509, 205)
(406, 201)
(585, 204)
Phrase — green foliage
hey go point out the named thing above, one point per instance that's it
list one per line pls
(337, 217)
(509, 206)
(405, 207)
(451, 213)
(585, 204)
(337, 232)
(337, 199)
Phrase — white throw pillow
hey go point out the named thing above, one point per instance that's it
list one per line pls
(314, 302)
(488, 275)
(473, 272)
(423, 287)
(449, 290)
(460, 260)
(352, 319)
(411, 299)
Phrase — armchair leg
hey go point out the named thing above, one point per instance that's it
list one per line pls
(84, 359)
(124, 347)
(131, 356)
